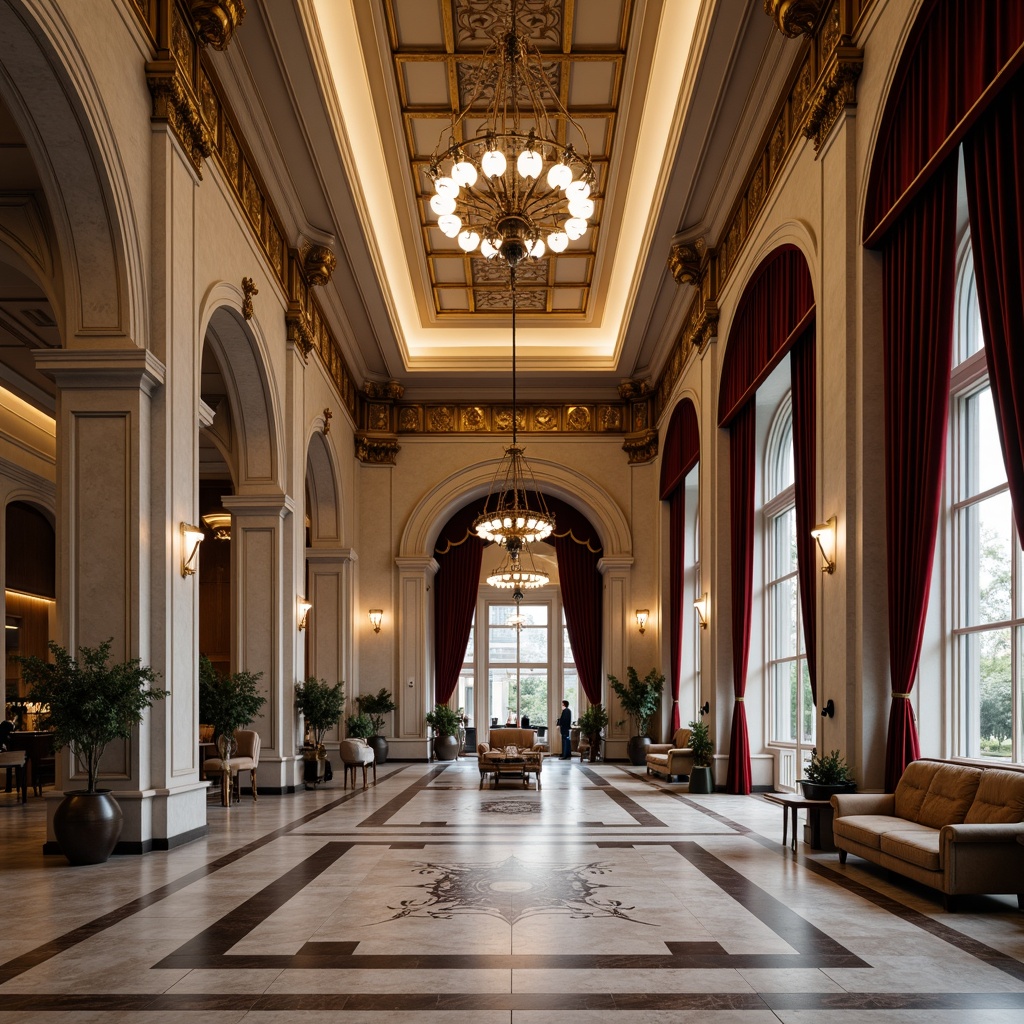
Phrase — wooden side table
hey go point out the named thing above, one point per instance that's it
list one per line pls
(819, 818)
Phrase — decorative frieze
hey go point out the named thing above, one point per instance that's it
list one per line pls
(381, 451)
(215, 21)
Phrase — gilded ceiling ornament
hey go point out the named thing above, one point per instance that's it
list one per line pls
(318, 262)
(684, 262)
(215, 21)
(327, 420)
(794, 17)
(249, 290)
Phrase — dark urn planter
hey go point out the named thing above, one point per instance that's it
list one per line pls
(595, 749)
(446, 748)
(87, 826)
(380, 748)
(637, 749)
(824, 790)
(701, 780)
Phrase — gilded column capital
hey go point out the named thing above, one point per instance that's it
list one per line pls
(215, 21)
(684, 260)
(838, 90)
(641, 447)
(389, 390)
(298, 329)
(705, 327)
(379, 451)
(794, 17)
(318, 263)
(173, 104)
(635, 388)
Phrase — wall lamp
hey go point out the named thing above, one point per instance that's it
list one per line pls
(376, 615)
(705, 708)
(829, 710)
(220, 524)
(825, 535)
(191, 538)
(305, 607)
(703, 608)
(642, 615)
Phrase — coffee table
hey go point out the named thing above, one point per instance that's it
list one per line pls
(819, 817)
(510, 768)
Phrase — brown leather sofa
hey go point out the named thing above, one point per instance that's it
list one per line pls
(671, 759)
(500, 738)
(952, 826)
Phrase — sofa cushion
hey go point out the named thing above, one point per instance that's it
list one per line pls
(868, 829)
(660, 759)
(999, 799)
(919, 847)
(950, 795)
(912, 788)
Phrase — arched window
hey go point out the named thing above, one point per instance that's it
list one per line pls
(790, 706)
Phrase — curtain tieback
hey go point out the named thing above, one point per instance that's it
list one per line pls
(897, 696)
(739, 700)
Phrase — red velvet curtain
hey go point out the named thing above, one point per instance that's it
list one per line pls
(741, 510)
(802, 372)
(458, 553)
(919, 256)
(681, 453)
(994, 169)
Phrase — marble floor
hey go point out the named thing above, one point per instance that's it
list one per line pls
(604, 896)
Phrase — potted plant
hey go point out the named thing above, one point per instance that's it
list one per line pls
(358, 727)
(376, 706)
(825, 775)
(640, 699)
(591, 722)
(701, 780)
(227, 702)
(445, 723)
(321, 705)
(91, 703)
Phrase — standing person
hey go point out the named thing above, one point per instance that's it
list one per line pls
(564, 725)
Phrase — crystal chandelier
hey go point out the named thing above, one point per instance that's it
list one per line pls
(491, 189)
(508, 517)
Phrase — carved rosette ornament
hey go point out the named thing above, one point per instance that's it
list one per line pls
(641, 447)
(215, 21)
(837, 92)
(318, 262)
(794, 17)
(173, 104)
(379, 451)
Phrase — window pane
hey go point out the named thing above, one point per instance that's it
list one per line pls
(502, 688)
(983, 459)
(533, 697)
(783, 617)
(466, 688)
(783, 541)
(533, 646)
(988, 553)
(784, 702)
(469, 647)
(502, 647)
(986, 661)
(570, 692)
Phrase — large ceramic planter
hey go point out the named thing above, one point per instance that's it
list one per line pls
(636, 749)
(823, 790)
(701, 780)
(446, 748)
(87, 826)
(380, 748)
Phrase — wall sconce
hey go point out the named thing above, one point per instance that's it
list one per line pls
(705, 708)
(703, 608)
(829, 710)
(642, 615)
(376, 614)
(304, 609)
(191, 538)
(220, 524)
(825, 535)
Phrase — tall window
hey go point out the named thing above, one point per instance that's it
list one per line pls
(987, 613)
(790, 708)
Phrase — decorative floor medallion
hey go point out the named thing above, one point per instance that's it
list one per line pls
(512, 891)
(509, 807)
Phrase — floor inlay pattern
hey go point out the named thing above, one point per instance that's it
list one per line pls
(604, 894)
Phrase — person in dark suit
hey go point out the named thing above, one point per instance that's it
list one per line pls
(564, 725)
(6, 728)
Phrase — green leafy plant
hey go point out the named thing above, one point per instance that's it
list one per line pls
(359, 727)
(639, 698)
(700, 744)
(443, 720)
(592, 721)
(376, 706)
(91, 703)
(828, 770)
(321, 705)
(228, 702)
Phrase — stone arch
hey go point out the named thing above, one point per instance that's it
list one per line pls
(53, 98)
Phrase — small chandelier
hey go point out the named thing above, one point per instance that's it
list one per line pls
(491, 190)
(508, 518)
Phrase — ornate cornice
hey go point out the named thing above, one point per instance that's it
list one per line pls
(794, 17)
(175, 105)
(836, 92)
(383, 390)
(215, 21)
(641, 447)
(380, 451)
(318, 262)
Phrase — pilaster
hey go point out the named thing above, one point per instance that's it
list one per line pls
(415, 656)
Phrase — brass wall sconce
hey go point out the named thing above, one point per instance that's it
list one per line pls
(829, 710)
(220, 524)
(376, 615)
(702, 606)
(825, 535)
(191, 538)
(305, 607)
(642, 615)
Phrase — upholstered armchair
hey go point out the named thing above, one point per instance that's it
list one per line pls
(246, 759)
(671, 759)
(357, 753)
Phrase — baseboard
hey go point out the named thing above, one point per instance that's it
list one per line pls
(137, 849)
(182, 839)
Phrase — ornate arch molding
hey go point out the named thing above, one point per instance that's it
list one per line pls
(435, 508)
(241, 352)
(54, 100)
(322, 483)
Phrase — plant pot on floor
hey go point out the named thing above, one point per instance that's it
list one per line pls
(446, 748)
(701, 780)
(87, 826)
(824, 790)
(380, 748)
(636, 749)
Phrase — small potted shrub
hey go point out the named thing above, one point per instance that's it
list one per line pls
(358, 727)
(591, 722)
(640, 700)
(227, 702)
(321, 705)
(376, 706)
(91, 704)
(445, 723)
(825, 775)
(701, 780)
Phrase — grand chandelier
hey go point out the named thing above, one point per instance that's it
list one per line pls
(511, 183)
(508, 517)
